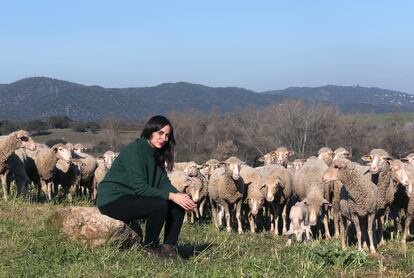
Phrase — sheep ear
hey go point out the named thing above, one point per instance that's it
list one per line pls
(263, 186)
(366, 158)
(280, 184)
(404, 159)
(261, 159)
(246, 201)
(290, 153)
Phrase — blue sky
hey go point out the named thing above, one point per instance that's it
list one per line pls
(258, 45)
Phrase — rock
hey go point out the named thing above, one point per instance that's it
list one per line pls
(88, 225)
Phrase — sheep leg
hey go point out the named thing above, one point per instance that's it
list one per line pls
(371, 218)
(380, 222)
(343, 223)
(192, 215)
(202, 203)
(227, 215)
(251, 223)
(283, 219)
(5, 186)
(238, 216)
(355, 219)
(275, 219)
(406, 228)
(326, 225)
(214, 212)
(336, 220)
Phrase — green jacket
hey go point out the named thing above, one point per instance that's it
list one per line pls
(134, 172)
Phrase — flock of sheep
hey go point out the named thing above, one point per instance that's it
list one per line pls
(305, 196)
(301, 198)
(63, 166)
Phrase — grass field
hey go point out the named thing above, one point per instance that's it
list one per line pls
(28, 248)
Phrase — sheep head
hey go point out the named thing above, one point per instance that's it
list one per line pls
(24, 140)
(377, 159)
(333, 173)
(326, 154)
(342, 153)
(272, 183)
(233, 164)
(62, 152)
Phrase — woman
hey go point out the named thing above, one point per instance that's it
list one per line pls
(137, 187)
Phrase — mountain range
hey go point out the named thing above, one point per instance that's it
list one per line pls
(40, 97)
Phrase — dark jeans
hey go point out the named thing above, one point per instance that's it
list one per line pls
(156, 211)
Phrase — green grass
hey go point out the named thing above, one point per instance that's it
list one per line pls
(28, 248)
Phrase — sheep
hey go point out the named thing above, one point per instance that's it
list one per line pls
(104, 164)
(278, 183)
(299, 222)
(409, 158)
(67, 175)
(87, 164)
(279, 156)
(41, 165)
(381, 176)
(341, 153)
(226, 188)
(256, 192)
(404, 174)
(198, 189)
(362, 202)
(9, 160)
(180, 166)
(309, 188)
(296, 164)
(208, 167)
(326, 154)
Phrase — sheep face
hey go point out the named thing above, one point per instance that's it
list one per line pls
(234, 164)
(208, 167)
(194, 189)
(342, 153)
(399, 173)
(315, 205)
(192, 169)
(25, 141)
(268, 158)
(62, 152)
(78, 149)
(281, 155)
(377, 159)
(255, 203)
(108, 158)
(272, 184)
(326, 154)
(298, 163)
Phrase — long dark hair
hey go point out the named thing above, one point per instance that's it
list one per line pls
(164, 156)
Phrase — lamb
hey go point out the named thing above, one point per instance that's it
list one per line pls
(226, 188)
(104, 164)
(198, 190)
(256, 192)
(87, 164)
(278, 183)
(8, 145)
(41, 165)
(362, 202)
(299, 222)
(192, 186)
(309, 188)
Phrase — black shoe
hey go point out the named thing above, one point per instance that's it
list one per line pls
(169, 251)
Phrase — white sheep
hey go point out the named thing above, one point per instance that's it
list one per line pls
(227, 189)
(299, 222)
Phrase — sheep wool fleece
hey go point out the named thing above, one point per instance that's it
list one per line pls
(134, 172)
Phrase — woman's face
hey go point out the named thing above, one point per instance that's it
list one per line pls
(159, 138)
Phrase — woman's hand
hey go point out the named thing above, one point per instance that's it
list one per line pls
(183, 200)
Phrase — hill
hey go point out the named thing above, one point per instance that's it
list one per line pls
(40, 97)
